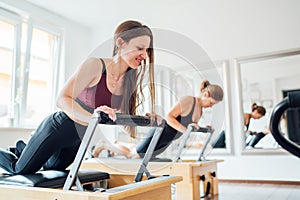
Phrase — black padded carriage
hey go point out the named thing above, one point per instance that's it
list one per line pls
(52, 178)
(65, 179)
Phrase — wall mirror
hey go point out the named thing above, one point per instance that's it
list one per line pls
(266, 80)
(173, 85)
(217, 116)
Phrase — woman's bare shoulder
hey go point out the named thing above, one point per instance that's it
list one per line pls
(187, 99)
(94, 66)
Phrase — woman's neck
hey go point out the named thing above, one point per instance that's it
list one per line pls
(199, 103)
(197, 110)
(117, 69)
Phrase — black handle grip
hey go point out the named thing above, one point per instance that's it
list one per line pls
(104, 119)
(294, 99)
(202, 130)
(128, 120)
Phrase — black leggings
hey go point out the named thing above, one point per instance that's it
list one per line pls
(53, 146)
(220, 142)
(167, 136)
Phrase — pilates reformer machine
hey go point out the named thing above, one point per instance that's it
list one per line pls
(74, 181)
(186, 135)
(207, 178)
(194, 172)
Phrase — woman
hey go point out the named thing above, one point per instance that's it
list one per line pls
(257, 112)
(187, 111)
(108, 85)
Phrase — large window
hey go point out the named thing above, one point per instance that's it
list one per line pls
(29, 54)
(7, 31)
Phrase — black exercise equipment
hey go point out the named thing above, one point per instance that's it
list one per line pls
(291, 101)
(52, 178)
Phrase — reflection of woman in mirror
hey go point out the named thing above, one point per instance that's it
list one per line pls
(271, 141)
(257, 113)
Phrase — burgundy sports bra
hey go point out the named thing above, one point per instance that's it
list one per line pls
(98, 95)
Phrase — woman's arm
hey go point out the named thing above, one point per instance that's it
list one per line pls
(246, 121)
(87, 75)
(181, 108)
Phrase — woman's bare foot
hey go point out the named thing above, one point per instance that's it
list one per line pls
(100, 146)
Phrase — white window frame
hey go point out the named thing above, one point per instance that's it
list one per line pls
(18, 19)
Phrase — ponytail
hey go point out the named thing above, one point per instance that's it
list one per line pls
(260, 109)
(215, 91)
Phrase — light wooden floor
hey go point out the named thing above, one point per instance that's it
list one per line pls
(256, 191)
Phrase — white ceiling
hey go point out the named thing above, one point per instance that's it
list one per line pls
(96, 12)
(224, 29)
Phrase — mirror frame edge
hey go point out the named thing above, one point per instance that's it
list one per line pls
(239, 106)
(238, 83)
(229, 149)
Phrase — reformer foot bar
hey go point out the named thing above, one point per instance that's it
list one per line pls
(122, 119)
(186, 136)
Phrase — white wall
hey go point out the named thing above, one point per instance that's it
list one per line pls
(9, 136)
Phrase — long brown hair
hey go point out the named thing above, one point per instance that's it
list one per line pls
(133, 95)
